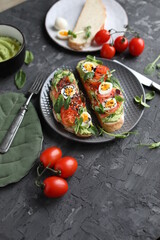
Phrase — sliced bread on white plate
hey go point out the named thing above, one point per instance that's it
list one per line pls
(93, 15)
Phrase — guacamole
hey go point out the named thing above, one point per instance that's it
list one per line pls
(9, 47)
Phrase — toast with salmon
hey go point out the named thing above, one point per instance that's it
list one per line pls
(69, 106)
(104, 92)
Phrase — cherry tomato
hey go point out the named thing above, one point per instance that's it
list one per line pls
(50, 155)
(55, 187)
(136, 46)
(67, 166)
(107, 51)
(121, 44)
(102, 36)
(68, 116)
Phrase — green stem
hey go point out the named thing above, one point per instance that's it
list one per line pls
(156, 60)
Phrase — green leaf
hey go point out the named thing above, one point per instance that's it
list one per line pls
(149, 69)
(67, 102)
(101, 79)
(88, 75)
(92, 129)
(143, 103)
(137, 99)
(140, 101)
(158, 66)
(87, 32)
(80, 111)
(93, 59)
(72, 34)
(115, 82)
(28, 57)
(150, 95)
(119, 98)
(59, 103)
(99, 109)
(78, 123)
(151, 145)
(20, 79)
(27, 144)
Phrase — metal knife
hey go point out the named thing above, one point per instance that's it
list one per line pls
(143, 80)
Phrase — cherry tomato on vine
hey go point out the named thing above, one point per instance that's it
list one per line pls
(50, 155)
(67, 166)
(136, 46)
(55, 187)
(121, 44)
(107, 51)
(102, 36)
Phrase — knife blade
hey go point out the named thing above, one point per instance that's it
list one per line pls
(143, 80)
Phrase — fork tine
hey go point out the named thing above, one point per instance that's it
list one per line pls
(37, 84)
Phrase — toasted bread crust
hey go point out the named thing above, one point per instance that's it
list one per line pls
(73, 43)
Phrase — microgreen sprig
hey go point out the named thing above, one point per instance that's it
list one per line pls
(151, 67)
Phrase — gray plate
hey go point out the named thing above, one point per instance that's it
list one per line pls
(132, 112)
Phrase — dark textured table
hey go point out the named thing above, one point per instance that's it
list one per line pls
(115, 193)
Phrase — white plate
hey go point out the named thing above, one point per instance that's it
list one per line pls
(71, 9)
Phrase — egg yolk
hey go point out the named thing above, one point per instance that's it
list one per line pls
(69, 91)
(64, 33)
(109, 103)
(105, 87)
(88, 67)
(85, 117)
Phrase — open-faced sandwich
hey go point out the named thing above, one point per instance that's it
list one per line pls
(104, 92)
(69, 106)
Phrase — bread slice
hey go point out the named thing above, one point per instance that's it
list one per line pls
(107, 126)
(94, 15)
(70, 113)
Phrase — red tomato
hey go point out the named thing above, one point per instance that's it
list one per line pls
(107, 51)
(102, 36)
(121, 44)
(136, 46)
(68, 116)
(67, 166)
(55, 187)
(50, 155)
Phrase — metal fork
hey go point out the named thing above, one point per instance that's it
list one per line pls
(8, 138)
